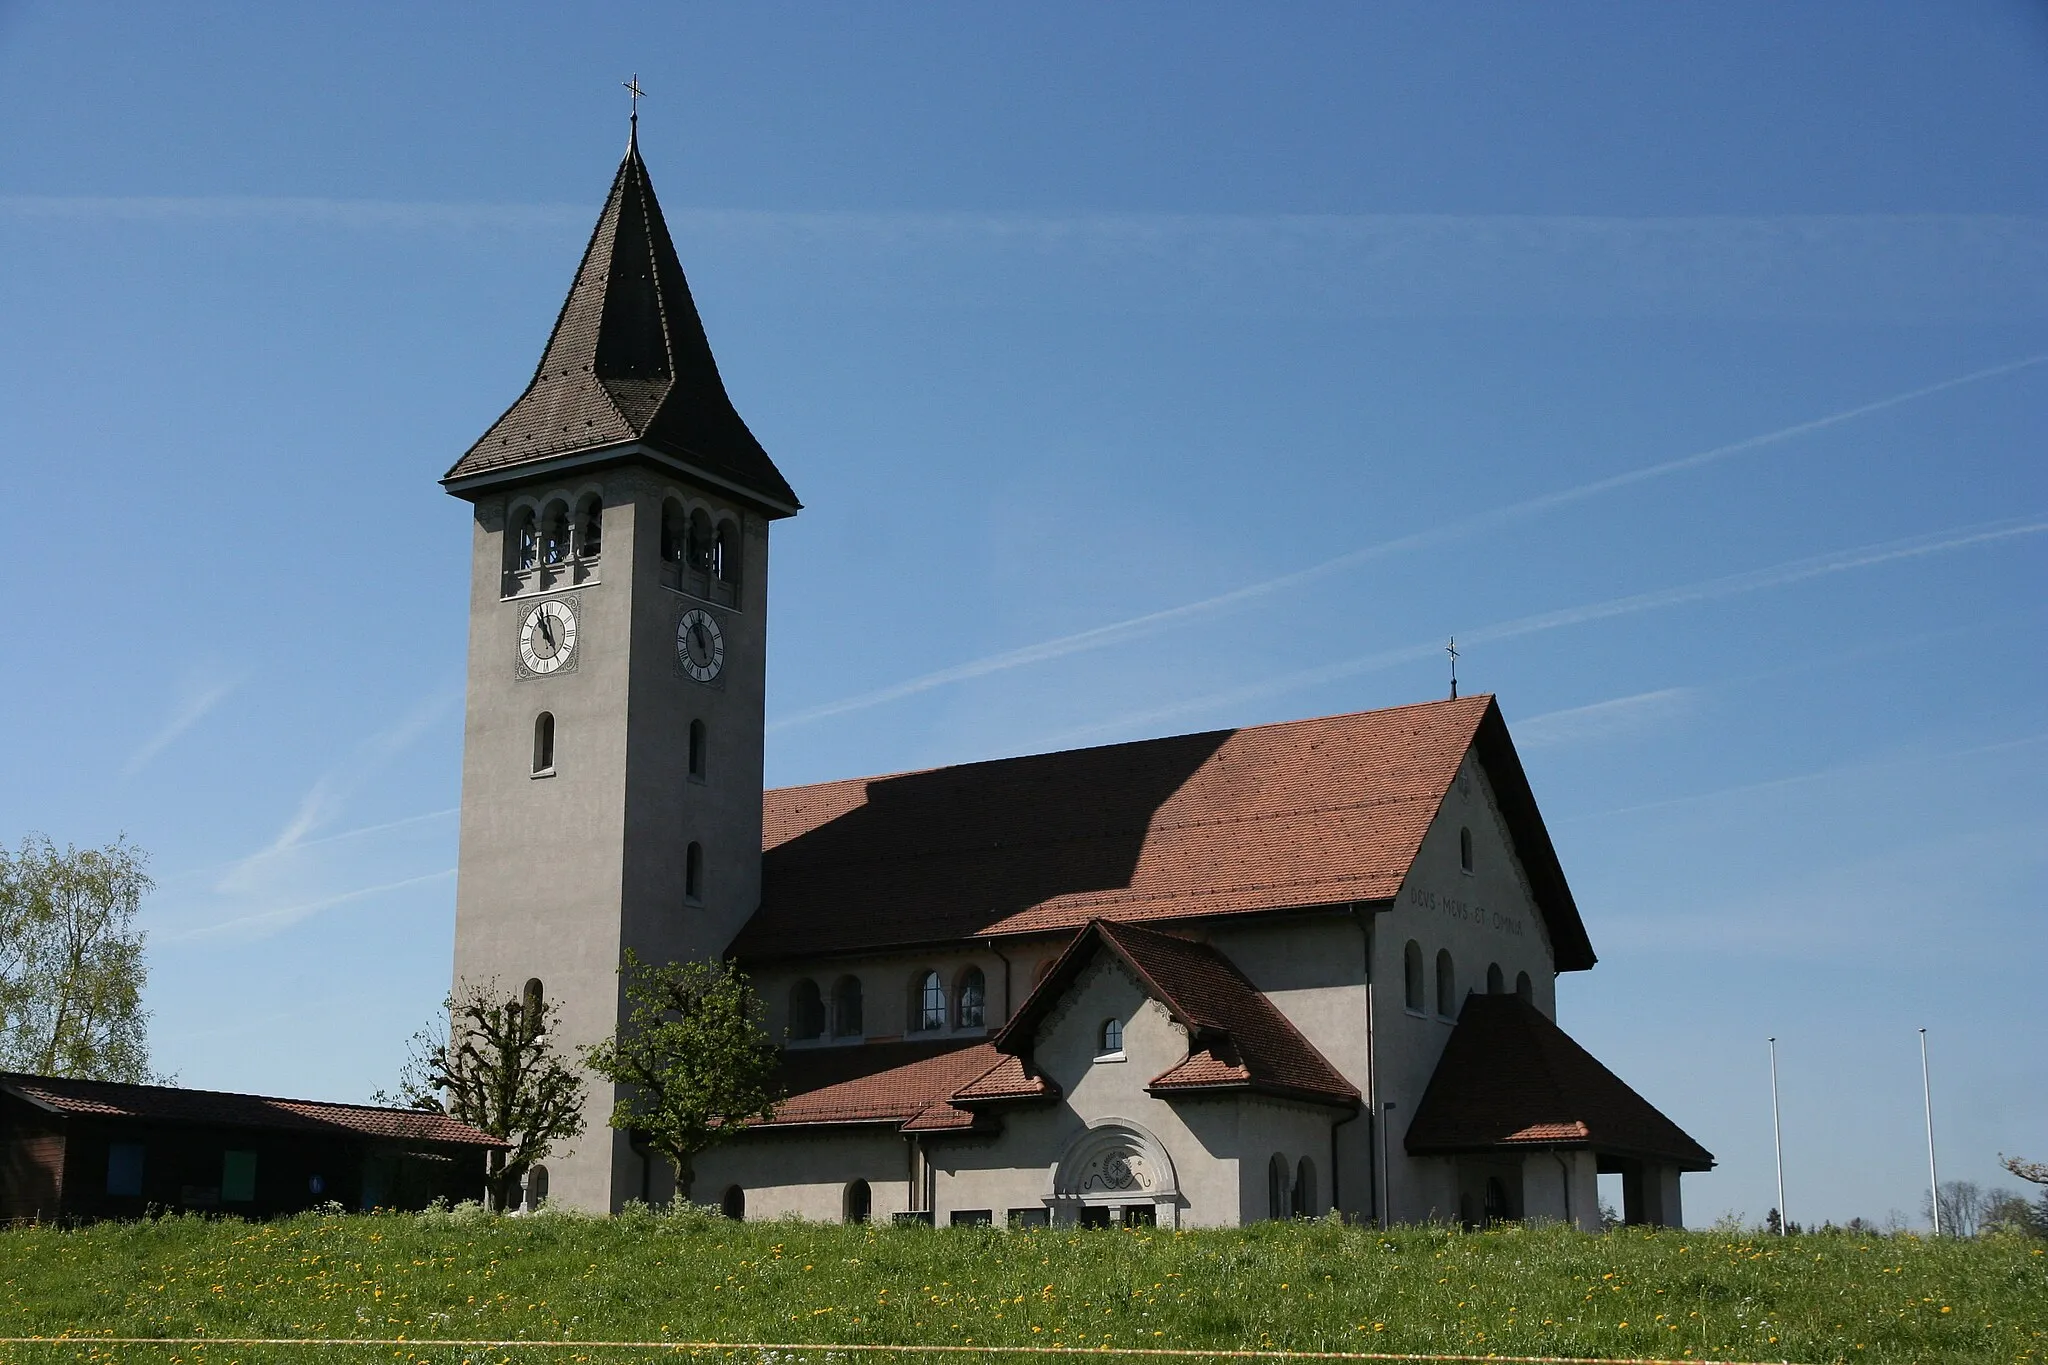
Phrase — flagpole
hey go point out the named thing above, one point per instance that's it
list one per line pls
(1927, 1099)
(1777, 1137)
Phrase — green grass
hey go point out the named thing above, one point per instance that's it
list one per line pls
(644, 1276)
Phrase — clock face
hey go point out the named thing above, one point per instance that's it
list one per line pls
(700, 644)
(547, 637)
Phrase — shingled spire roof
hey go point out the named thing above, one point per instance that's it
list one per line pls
(628, 366)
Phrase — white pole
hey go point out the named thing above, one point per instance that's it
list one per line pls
(1777, 1136)
(1927, 1099)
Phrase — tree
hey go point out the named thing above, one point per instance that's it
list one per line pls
(491, 1062)
(71, 967)
(2005, 1211)
(1962, 1205)
(2035, 1171)
(694, 1063)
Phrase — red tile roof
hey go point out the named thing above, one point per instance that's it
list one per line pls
(894, 1083)
(1510, 1077)
(173, 1104)
(1237, 1038)
(1307, 813)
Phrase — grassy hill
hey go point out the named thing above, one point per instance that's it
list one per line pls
(644, 1276)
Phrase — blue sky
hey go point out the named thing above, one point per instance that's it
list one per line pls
(1143, 369)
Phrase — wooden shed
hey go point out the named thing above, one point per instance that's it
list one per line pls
(81, 1150)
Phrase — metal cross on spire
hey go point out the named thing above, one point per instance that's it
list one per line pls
(1452, 650)
(637, 94)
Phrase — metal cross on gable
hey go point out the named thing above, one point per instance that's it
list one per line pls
(637, 94)
(1452, 650)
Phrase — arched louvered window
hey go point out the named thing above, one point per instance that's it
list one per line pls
(590, 527)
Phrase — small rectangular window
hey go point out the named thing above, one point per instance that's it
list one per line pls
(1140, 1215)
(1094, 1216)
(1040, 1217)
(237, 1177)
(124, 1168)
(973, 1218)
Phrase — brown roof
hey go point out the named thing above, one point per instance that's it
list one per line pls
(1511, 1078)
(628, 365)
(174, 1104)
(1307, 813)
(1237, 1038)
(894, 1083)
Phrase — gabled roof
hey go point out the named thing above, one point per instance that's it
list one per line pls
(175, 1105)
(1510, 1078)
(628, 365)
(1237, 1038)
(1309, 813)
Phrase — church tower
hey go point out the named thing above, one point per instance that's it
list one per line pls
(611, 770)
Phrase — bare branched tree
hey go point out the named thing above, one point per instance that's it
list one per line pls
(2035, 1171)
(71, 966)
(1962, 1206)
(491, 1062)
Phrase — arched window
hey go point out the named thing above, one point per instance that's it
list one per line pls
(1446, 985)
(971, 1007)
(1411, 970)
(590, 527)
(693, 874)
(1305, 1190)
(544, 743)
(860, 1202)
(673, 534)
(1496, 980)
(1110, 1041)
(1465, 849)
(1498, 1207)
(927, 1002)
(522, 541)
(533, 1012)
(554, 533)
(1524, 987)
(697, 757)
(734, 1204)
(846, 1011)
(1039, 972)
(536, 1188)
(806, 1010)
(727, 552)
(703, 546)
(1278, 1201)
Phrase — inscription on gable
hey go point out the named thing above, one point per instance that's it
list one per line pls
(1464, 912)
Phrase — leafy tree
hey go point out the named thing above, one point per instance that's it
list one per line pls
(2005, 1211)
(491, 1062)
(71, 968)
(695, 1065)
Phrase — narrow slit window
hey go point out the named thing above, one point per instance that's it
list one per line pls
(697, 745)
(693, 874)
(1465, 849)
(1496, 980)
(1524, 987)
(1446, 985)
(543, 743)
(1411, 965)
(590, 528)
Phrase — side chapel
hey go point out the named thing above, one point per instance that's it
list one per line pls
(1261, 973)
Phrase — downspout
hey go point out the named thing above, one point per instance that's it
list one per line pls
(1375, 1153)
(1009, 1004)
(1564, 1169)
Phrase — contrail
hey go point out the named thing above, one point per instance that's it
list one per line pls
(1731, 585)
(1133, 627)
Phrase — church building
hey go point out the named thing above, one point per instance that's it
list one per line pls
(1280, 971)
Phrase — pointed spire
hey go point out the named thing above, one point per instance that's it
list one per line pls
(628, 363)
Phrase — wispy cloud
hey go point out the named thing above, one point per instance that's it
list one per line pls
(1135, 627)
(1731, 585)
(1632, 715)
(190, 711)
(1912, 266)
(265, 922)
